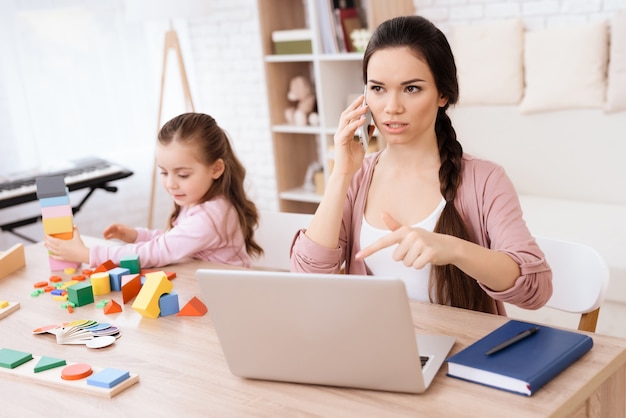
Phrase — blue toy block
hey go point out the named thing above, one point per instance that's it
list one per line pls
(115, 277)
(108, 378)
(168, 304)
(54, 201)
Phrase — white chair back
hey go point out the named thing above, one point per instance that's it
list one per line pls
(580, 277)
(275, 234)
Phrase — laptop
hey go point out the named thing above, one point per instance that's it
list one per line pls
(335, 330)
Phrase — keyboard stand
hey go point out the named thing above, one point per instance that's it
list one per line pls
(10, 227)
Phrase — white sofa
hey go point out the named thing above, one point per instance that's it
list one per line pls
(569, 168)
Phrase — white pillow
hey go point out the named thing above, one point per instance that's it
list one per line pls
(489, 59)
(616, 89)
(565, 67)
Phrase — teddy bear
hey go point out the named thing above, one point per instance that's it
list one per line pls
(304, 111)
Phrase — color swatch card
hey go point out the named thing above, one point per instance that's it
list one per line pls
(83, 331)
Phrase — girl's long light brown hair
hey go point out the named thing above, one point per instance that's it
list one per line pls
(202, 132)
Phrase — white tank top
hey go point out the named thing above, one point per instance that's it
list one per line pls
(382, 264)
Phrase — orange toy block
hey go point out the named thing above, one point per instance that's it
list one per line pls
(147, 301)
(58, 225)
(64, 235)
(12, 260)
(112, 307)
(131, 285)
(194, 307)
(106, 266)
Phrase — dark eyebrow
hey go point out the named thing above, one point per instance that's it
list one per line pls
(404, 83)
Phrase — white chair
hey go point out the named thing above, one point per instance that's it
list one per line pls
(580, 277)
(275, 234)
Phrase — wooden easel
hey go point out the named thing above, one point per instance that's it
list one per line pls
(171, 43)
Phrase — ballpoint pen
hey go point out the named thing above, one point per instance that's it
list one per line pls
(526, 333)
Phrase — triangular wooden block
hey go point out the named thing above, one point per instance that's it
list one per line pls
(112, 307)
(47, 363)
(194, 307)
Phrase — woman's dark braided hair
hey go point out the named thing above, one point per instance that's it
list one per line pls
(448, 284)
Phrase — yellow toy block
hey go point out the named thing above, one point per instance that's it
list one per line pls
(11, 260)
(147, 301)
(57, 225)
(100, 283)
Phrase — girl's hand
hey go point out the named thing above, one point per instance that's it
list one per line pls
(416, 246)
(348, 152)
(121, 232)
(69, 250)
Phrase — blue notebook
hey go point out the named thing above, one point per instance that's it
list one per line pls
(524, 366)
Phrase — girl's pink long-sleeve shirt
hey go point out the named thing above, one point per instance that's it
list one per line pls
(489, 205)
(209, 231)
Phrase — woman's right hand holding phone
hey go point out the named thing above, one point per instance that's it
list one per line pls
(348, 151)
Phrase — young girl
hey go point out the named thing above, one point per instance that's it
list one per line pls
(212, 219)
(448, 224)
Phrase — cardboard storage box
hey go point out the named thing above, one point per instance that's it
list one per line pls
(295, 41)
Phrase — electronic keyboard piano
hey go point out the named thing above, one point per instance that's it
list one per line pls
(79, 174)
(86, 173)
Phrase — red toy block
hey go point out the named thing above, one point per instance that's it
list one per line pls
(112, 307)
(194, 307)
(104, 267)
(131, 285)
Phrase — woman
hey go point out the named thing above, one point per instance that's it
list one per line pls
(450, 225)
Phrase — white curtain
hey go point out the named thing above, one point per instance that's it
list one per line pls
(76, 80)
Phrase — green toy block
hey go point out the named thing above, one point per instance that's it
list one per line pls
(131, 262)
(10, 359)
(80, 294)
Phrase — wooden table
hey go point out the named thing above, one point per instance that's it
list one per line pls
(183, 372)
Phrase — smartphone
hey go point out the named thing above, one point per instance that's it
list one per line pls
(363, 132)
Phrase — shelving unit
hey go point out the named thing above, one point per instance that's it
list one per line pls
(335, 76)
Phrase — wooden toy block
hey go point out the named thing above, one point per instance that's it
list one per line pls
(47, 363)
(57, 225)
(53, 378)
(101, 283)
(131, 262)
(147, 301)
(115, 276)
(168, 304)
(131, 285)
(80, 294)
(106, 266)
(55, 201)
(194, 307)
(12, 260)
(10, 359)
(64, 235)
(50, 186)
(108, 378)
(112, 307)
(9, 309)
(56, 211)
(170, 274)
(61, 265)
